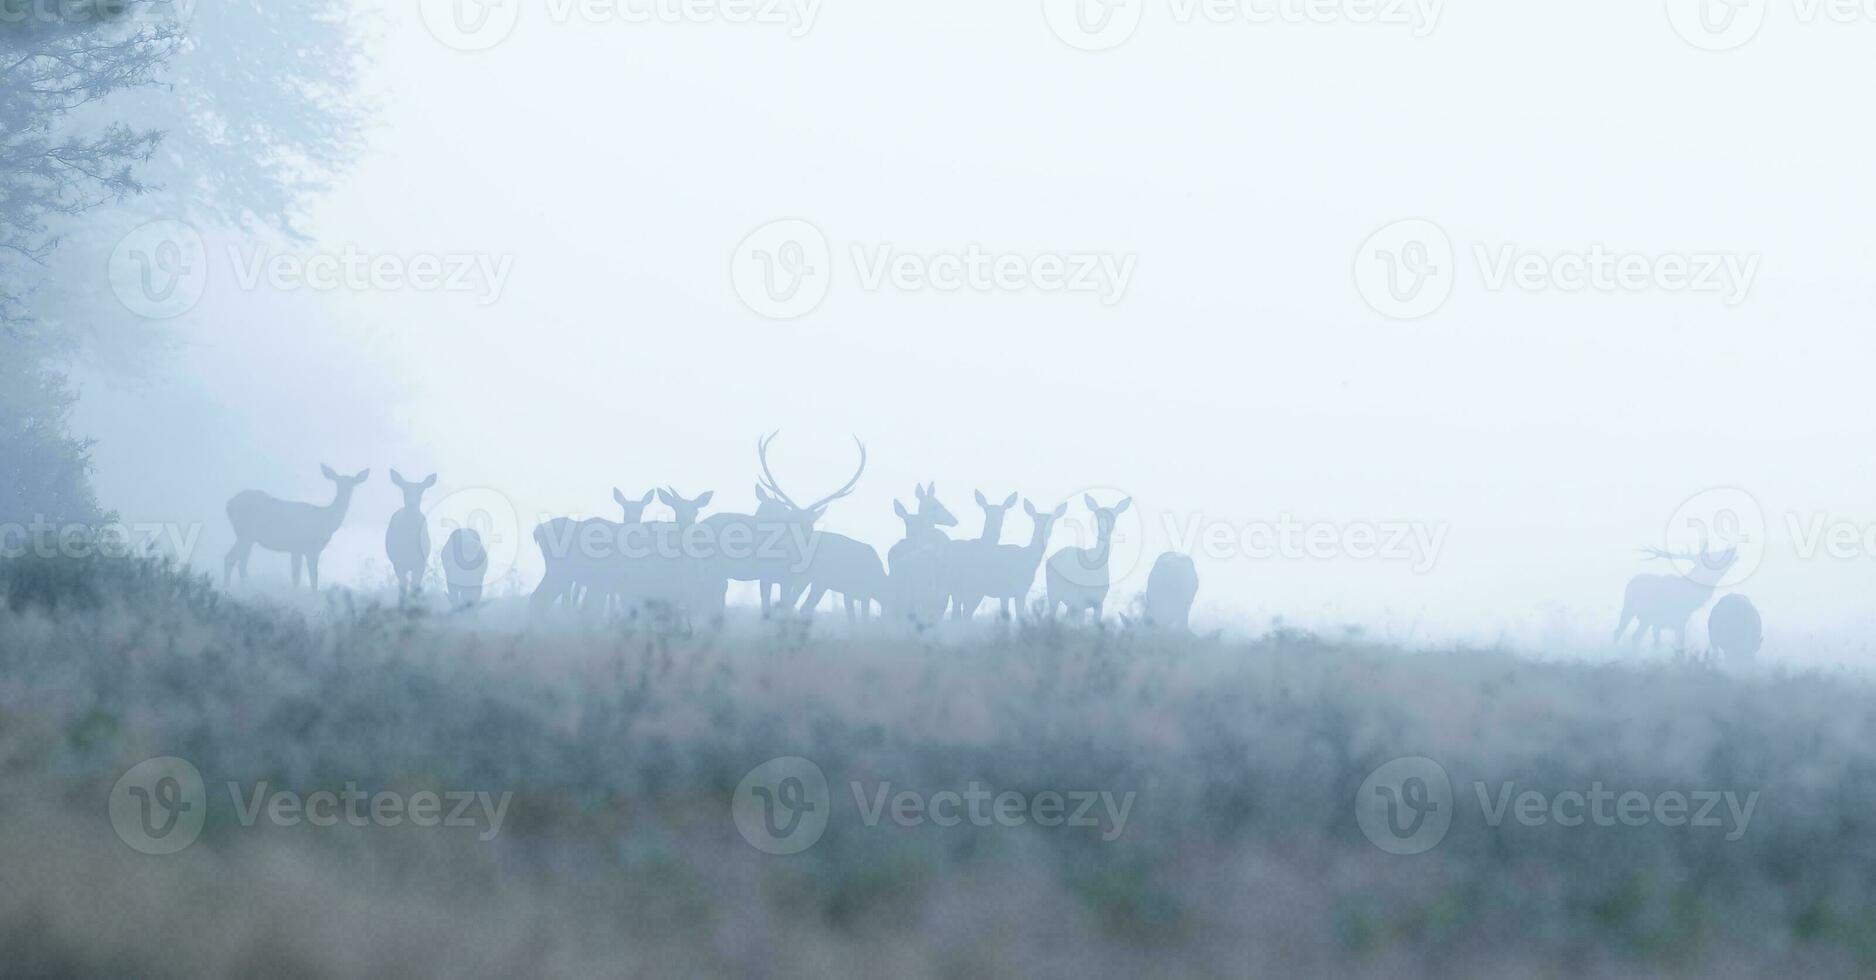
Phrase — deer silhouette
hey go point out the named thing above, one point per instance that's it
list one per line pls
(915, 565)
(580, 554)
(1667, 602)
(774, 546)
(1734, 629)
(407, 539)
(1012, 568)
(1170, 589)
(1077, 578)
(970, 567)
(465, 566)
(662, 574)
(297, 529)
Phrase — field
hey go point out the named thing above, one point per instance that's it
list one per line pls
(622, 756)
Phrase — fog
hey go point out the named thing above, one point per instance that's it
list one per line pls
(608, 172)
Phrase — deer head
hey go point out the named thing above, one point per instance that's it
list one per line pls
(930, 511)
(773, 503)
(1709, 566)
(345, 484)
(993, 515)
(1104, 517)
(686, 510)
(413, 492)
(1044, 521)
(634, 509)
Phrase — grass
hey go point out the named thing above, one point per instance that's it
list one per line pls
(622, 750)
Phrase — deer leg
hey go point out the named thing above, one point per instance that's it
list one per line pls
(298, 561)
(237, 556)
(312, 569)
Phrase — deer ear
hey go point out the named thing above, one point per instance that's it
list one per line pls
(1011, 502)
(431, 482)
(1088, 498)
(1121, 508)
(396, 477)
(703, 499)
(899, 508)
(362, 476)
(665, 499)
(327, 472)
(645, 501)
(762, 495)
(1061, 511)
(1029, 508)
(981, 502)
(618, 496)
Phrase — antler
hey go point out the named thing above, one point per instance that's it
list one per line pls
(768, 481)
(774, 486)
(851, 484)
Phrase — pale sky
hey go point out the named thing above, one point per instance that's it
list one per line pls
(612, 169)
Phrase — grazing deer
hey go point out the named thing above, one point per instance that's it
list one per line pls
(970, 567)
(849, 568)
(1170, 589)
(773, 546)
(1077, 578)
(407, 540)
(577, 552)
(299, 530)
(465, 566)
(1013, 567)
(1667, 602)
(915, 566)
(1734, 629)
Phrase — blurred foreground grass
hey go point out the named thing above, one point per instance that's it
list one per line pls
(618, 855)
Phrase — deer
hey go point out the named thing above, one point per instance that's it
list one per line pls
(297, 529)
(970, 567)
(1170, 588)
(664, 571)
(1735, 630)
(576, 551)
(1013, 567)
(774, 546)
(465, 566)
(915, 566)
(1667, 602)
(407, 539)
(1077, 578)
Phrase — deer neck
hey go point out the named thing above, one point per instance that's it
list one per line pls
(993, 527)
(1102, 545)
(341, 502)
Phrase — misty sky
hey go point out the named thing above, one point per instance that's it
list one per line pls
(612, 169)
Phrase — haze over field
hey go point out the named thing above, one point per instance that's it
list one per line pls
(611, 169)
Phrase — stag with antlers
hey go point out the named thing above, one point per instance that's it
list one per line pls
(776, 546)
(1667, 602)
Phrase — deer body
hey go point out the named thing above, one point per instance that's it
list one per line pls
(1734, 628)
(465, 566)
(1667, 602)
(837, 563)
(297, 529)
(915, 566)
(581, 554)
(1170, 589)
(1077, 578)
(407, 539)
(1013, 567)
(970, 567)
